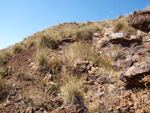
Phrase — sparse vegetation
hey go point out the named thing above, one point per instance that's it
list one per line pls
(117, 52)
(3, 90)
(86, 33)
(37, 95)
(17, 49)
(72, 89)
(2, 73)
(1, 61)
(49, 41)
(121, 25)
(41, 58)
(54, 64)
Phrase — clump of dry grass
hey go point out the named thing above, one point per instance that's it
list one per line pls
(121, 24)
(72, 89)
(1, 61)
(102, 61)
(38, 96)
(77, 50)
(67, 32)
(86, 32)
(41, 58)
(94, 107)
(17, 49)
(54, 64)
(117, 52)
(49, 40)
(3, 73)
(4, 89)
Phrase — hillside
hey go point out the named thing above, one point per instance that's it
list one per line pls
(92, 67)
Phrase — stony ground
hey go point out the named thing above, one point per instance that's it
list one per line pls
(120, 87)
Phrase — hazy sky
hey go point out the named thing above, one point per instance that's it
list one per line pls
(22, 18)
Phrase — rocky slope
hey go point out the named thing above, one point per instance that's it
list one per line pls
(80, 68)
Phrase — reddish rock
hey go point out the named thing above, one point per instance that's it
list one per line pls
(140, 20)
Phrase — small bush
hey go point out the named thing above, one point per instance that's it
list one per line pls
(72, 89)
(17, 49)
(121, 24)
(86, 33)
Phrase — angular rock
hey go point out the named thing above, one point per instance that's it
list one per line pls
(140, 20)
(119, 38)
(137, 74)
(145, 38)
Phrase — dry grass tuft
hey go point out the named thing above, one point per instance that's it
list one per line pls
(86, 33)
(121, 24)
(38, 96)
(54, 64)
(16, 49)
(50, 41)
(41, 58)
(4, 89)
(117, 52)
(72, 89)
(77, 50)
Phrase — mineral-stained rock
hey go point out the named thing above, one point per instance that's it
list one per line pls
(137, 75)
(140, 20)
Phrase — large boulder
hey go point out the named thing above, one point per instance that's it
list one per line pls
(137, 75)
(140, 20)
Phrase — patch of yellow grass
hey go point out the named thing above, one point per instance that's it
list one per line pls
(121, 24)
(72, 89)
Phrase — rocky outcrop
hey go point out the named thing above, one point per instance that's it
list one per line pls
(120, 38)
(140, 20)
(137, 75)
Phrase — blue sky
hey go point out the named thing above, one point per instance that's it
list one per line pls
(22, 18)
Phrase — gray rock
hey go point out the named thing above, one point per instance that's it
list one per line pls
(136, 74)
(146, 39)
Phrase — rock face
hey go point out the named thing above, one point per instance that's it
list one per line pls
(119, 38)
(137, 75)
(140, 20)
